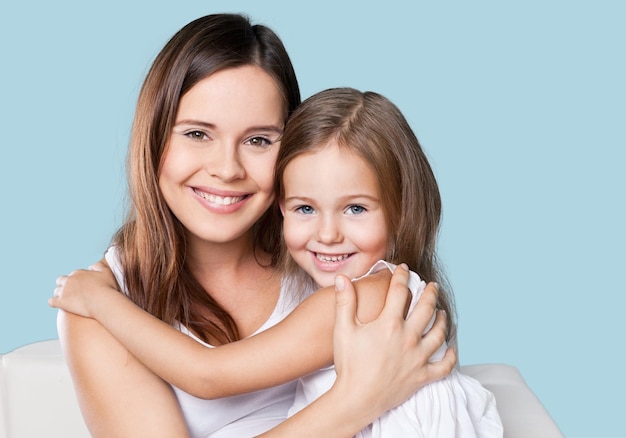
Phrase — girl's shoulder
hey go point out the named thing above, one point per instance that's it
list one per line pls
(416, 284)
(372, 289)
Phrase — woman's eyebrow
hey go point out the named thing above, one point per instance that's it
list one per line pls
(194, 122)
(272, 128)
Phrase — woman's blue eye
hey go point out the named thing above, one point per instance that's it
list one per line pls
(306, 209)
(356, 209)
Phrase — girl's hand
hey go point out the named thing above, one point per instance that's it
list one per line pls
(381, 363)
(78, 292)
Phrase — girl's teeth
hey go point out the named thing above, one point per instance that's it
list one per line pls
(338, 258)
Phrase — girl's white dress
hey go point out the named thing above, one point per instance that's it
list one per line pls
(457, 406)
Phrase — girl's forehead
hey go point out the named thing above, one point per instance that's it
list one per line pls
(344, 151)
(331, 161)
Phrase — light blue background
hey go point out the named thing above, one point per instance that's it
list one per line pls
(521, 108)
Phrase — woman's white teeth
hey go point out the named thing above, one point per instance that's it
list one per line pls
(220, 200)
(335, 258)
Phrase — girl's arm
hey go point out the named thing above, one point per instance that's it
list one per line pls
(292, 350)
(300, 344)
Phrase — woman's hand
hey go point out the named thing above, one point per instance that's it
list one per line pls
(381, 363)
(78, 292)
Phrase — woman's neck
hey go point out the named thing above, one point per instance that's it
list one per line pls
(203, 255)
(242, 282)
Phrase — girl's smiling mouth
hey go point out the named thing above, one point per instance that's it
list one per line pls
(329, 258)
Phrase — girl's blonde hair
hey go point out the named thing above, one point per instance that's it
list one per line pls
(373, 127)
(152, 241)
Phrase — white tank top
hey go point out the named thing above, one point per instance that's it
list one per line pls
(239, 416)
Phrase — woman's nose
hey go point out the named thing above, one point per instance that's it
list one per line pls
(225, 163)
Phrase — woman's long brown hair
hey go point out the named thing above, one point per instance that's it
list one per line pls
(152, 241)
(373, 127)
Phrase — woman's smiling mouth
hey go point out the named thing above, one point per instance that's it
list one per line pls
(219, 200)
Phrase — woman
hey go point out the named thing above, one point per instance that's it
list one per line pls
(200, 245)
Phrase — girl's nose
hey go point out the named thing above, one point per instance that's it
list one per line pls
(328, 231)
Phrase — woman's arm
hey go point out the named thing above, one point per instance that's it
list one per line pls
(117, 395)
(396, 355)
(300, 344)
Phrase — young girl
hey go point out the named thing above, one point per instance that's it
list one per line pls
(199, 250)
(354, 187)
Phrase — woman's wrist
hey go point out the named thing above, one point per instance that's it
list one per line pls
(353, 409)
(338, 413)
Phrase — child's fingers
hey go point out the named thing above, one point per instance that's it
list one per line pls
(52, 302)
(60, 281)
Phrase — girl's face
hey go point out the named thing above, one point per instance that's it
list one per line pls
(217, 173)
(334, 221)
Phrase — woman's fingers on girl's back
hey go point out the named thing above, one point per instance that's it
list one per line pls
(424, 310)
(397, 294)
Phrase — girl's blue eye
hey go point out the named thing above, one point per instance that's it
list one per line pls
(356, 209)
(305, 209)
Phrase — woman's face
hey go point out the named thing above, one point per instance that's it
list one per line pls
(217, 174)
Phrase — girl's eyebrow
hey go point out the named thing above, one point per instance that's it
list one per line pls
(298, 198)
(346, 198)
(359, 197)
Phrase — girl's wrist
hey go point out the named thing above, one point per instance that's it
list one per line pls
(101, 298)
